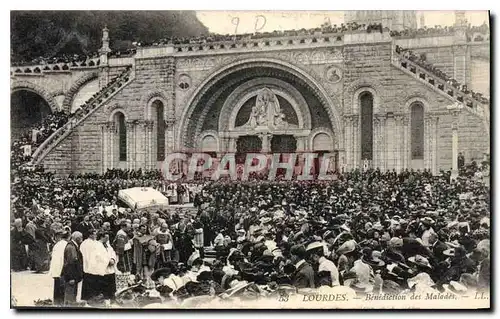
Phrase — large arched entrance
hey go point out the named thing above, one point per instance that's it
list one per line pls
(229, 101)
(27, 110)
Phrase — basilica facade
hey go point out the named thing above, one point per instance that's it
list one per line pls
(353, 94)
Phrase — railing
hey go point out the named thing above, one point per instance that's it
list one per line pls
(473, 105)
(309, 39)
(81, 114)
(35, 69)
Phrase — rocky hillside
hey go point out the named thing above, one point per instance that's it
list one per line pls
(52, 33)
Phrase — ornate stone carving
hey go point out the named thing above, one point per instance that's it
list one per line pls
(169, 122)
(131, 124)
(111, 127)
(267, 112)
(184, 81)
(333, 74)
(148, 125)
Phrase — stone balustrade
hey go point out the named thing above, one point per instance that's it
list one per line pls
(54, 67)
(81, 113)
(473, 105)
(423, 74)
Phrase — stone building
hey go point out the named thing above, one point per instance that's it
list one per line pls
(395, 20)
(349, 93)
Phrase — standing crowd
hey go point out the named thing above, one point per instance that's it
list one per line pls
(369, 231)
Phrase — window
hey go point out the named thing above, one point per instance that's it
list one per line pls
(122, 136)
(160, 131)
(417, 131)
(366, 103)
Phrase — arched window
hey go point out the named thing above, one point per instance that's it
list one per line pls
(417, 131)
(122, 136)
(160, 130)
(366, 103)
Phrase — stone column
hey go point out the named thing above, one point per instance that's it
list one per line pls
(381, 144)
(376, 129)
(435, 137)
(152, 145)
(389, 141)
(301, 143)
(145, 145)
(398, 121)
(231, 144)
(111, 135)
(347, 142)
(427, 141)
(104, 148)
(455, 112)
(266, 142)
(355, 142)
(406, 154)
(130, 144)
(169, 135)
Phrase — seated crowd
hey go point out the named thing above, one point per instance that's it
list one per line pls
(368, 231)
(421, 60)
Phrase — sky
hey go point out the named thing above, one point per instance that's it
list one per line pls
(226, 22)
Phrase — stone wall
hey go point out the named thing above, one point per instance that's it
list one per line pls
(92, 146)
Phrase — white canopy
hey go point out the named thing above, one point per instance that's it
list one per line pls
(143, 198)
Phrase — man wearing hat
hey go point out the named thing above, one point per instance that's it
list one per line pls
(56, 265)
(437, 247)
(123, 248)
(303, 276)
(316, 253)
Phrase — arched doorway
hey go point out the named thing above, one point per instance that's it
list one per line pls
(206, 110)
(27, 110)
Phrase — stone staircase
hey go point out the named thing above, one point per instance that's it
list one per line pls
(470, 104)
(84, 111)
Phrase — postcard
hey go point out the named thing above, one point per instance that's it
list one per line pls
(250, 160)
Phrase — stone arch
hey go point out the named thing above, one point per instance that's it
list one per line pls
(409, 102)
(112, 114)
(150, 97)
(318, 90)
(204, 137)
(355, 106)
(73, 90)
(352, 92)
(316, 132)
(28, 86)
(250, 88)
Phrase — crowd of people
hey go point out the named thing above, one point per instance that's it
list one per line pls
(421, 60)
(71, 59)
(23, 147)
(326, 28)
(471, 32)
(369, 231)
